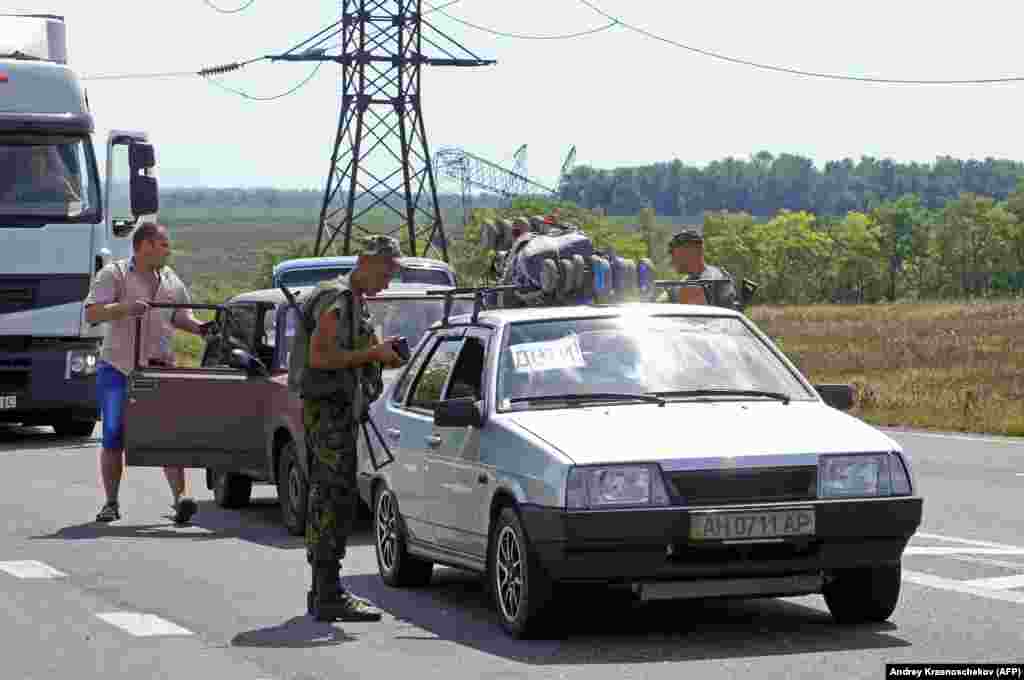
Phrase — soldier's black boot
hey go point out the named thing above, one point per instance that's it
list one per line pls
(328, 601)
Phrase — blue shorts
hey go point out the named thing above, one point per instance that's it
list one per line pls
(111, 388)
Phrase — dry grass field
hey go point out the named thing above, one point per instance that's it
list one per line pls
(947, 366)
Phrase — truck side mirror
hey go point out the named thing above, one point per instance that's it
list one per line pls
(142, 185)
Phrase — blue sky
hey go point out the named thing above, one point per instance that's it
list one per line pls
(622, 99)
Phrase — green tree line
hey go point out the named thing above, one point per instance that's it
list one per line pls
(901, 249)
(765, 184)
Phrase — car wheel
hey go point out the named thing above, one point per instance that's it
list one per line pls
(522, 590)
(231, 490)
(292, 490)
(74, 428)
(396, 566)
(864, 595)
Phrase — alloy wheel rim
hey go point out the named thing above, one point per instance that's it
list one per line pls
(509, 576)
(386, 536)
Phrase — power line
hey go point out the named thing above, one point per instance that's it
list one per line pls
(793, 71)
(273, 97)
(230, 11)
(520, 36)
(204, 72)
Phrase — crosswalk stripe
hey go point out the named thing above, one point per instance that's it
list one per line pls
(30, 569)
(143, 625)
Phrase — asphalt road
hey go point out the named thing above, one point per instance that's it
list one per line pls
(225, 598)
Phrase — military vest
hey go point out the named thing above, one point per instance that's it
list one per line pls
(358, 386)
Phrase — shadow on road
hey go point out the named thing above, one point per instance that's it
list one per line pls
(299, 631)
(15, 438)
(259, 523)
(602, 626)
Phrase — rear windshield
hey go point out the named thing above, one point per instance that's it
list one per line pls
(311, 277)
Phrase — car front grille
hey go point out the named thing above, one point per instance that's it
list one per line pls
(749, 485)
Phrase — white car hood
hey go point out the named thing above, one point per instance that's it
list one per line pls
(695, 430)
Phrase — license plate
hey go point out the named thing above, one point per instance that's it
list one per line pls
(727, 526)
(8, 401)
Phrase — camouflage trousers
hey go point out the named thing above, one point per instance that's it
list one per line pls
(331, 442)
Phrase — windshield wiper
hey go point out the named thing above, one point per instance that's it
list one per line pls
(724, 392)
(597, 396)
(18, 54)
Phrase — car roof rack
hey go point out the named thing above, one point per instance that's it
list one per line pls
(478, 298)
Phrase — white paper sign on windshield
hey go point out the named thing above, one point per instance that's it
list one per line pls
(547, 356)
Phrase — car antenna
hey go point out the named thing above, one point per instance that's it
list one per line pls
(478, 298)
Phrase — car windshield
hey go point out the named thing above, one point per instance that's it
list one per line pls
(311, 277)
(47, 178)
(639, 355)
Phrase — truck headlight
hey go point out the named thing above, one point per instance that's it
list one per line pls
(610, 486)
(80, 363)
(859, 475)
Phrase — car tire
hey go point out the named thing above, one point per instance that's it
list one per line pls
(292, 490)
(231, 490)
(522, 591)
(396, 566)
(863, 595)
(74, 428)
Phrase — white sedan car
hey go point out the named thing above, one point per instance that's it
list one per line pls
(670, 449)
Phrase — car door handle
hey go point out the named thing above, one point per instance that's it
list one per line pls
(433, 441)
(392, 433)
(482, 478)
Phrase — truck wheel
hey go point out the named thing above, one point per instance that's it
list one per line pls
(522, 590)
(292, 490)
(231, 490)
(863, 595)
(74, 428)
(396, 566)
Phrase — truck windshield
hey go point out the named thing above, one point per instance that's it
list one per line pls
(47, 178)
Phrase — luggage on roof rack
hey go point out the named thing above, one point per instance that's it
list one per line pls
(563, 267)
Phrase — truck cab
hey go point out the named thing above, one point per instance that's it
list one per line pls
(59, 225)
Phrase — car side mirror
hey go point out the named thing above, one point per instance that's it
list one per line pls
(244, 361)
(142, 184)
(461, 412)
(837, 396)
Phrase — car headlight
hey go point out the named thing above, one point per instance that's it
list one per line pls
(610, 486)
(860, 475)
(80, 363)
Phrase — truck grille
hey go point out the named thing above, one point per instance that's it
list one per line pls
(16, 296)
(13, 381)
(750, 485)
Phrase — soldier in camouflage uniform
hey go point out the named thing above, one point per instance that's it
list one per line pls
(687, 251)
(341, 379)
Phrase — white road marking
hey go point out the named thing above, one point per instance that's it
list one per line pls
(1016, 566)
(931, 581)
(30, 569)
(943, 550)
(998, 582)
(967, 437)
(143, 625)
(967, 541)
